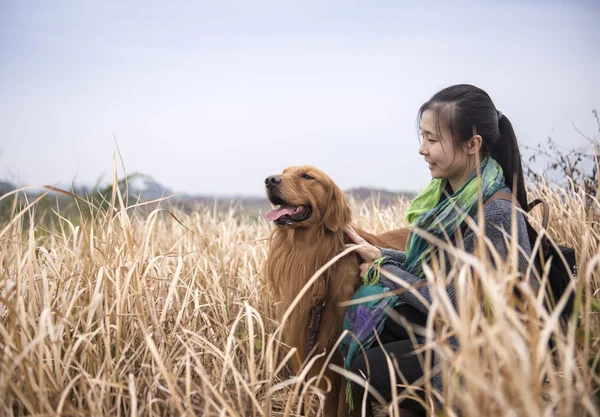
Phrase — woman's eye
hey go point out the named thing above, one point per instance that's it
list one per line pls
(427, 138)
(307, 177)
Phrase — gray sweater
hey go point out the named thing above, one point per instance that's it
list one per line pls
(497, 215)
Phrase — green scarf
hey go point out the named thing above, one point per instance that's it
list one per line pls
(426, 212)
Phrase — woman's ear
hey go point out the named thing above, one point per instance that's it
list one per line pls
(474, 144)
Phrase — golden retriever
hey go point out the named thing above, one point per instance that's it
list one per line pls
(310, 216)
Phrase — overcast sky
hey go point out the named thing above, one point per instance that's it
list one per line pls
(211, 97)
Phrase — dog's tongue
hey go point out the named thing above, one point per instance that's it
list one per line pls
(279, 213)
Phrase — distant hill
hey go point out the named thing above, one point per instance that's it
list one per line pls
(256, 205)
(143, 187)
(385, 197)
(6, 187)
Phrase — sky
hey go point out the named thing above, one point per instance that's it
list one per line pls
(212, 97)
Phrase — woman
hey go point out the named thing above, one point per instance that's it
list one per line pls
(459, 126)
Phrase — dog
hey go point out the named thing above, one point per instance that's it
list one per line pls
(310, 217)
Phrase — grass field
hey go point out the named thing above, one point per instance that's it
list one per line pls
(105, 312)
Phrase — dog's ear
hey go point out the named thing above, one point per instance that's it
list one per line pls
(337, 214)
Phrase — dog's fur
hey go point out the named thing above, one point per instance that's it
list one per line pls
(299, 246)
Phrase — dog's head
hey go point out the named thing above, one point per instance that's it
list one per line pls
(305, 196)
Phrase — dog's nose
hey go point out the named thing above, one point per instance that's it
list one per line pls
(273, 181)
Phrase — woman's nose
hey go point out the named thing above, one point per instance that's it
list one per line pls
(422, 148)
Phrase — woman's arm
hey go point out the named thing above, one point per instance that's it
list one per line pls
(497, 215)
(397, 256)
(498, 222)
(410, 279)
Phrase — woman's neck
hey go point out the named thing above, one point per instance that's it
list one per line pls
(456, 183)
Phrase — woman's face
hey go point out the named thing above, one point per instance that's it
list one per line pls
(444, 160)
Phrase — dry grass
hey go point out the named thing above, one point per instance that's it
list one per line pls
(118, 314)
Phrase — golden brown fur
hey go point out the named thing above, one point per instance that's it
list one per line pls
(297, 251)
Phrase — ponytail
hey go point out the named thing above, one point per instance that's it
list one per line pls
(506, 152)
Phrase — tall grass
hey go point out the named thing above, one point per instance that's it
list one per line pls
(112, 313)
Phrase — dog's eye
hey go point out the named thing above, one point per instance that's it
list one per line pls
(307, 177)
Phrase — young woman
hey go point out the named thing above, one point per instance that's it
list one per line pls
(459, 127)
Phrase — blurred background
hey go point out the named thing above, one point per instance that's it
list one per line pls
(208, 98)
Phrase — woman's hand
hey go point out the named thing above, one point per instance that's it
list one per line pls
(366, 251)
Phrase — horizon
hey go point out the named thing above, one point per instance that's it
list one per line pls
(79, 187)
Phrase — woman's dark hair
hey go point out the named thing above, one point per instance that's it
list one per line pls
(465, 111)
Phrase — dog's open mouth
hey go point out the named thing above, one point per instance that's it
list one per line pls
(287, 214)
